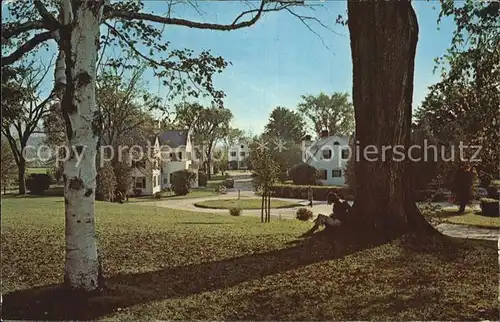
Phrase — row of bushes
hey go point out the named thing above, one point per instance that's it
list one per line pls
(301, 192)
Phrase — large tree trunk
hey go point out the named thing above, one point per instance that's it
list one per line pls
(384, 37)
(79, 42)
(22, 175)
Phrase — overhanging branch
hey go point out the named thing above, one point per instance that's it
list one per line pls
(26, 47)
(10, 30)
(110, 13)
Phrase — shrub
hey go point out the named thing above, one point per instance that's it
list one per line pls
(37, 183)
(235, 211)
(106, 183)
(202, 179)
(490, 207)
(123, 175)
(304, 214)
(303, 174)
(493, 193)
(157, 195)
(181, 182)
(229, 183)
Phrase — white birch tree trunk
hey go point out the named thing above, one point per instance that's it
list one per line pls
(79, 40)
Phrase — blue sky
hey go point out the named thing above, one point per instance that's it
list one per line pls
(278, 59)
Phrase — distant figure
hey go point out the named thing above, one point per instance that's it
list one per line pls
(340, 211)
(462, 186)
(310, 196)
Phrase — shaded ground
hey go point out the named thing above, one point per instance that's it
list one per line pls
(168, 264)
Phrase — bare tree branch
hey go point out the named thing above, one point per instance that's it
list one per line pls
(10, 30)
(110, 13)
(26, 47)
(46, 15)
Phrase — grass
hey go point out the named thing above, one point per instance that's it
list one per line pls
(36, 170)
(174, 265)
(244, 203)
(471, 217)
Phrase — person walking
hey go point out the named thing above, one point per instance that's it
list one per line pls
(310, 196)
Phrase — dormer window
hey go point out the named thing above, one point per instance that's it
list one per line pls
(336, 143)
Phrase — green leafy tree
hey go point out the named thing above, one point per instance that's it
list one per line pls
(8, 167)
(208, 126)
(286, 125)
(266, 172)
(333, 113)
(106, 183)
(22, 110)
(463, 105)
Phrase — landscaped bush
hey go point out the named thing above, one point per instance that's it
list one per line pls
(229, 182)
(300, 192)
(106, 183)
(158, 195)
(493, 193)
(490, 207)
(37, 183)
(123, 175)
(303, 174)
(304, 214)
(235, 211)
(202, 179)
(181, 182)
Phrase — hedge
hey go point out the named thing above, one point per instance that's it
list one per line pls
(489, 207)
(300, 192)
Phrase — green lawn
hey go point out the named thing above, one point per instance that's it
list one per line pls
(244, 203)
(36, 170)
(190, 266)
(469, 217)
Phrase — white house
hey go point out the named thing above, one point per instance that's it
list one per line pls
(141, 151)
(329, 155)
(146, 174)
(176, 154)
(238, 156)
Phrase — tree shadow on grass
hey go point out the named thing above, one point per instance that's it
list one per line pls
(52, 302)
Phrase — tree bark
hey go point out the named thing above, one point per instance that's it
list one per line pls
(384, 37)
(79, 43)
(262, 207)
(22, 175)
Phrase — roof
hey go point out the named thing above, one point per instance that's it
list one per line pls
(134, 137)
(173, 138)
(316, 146)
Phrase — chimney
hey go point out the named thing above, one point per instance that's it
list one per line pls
(324, 133)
